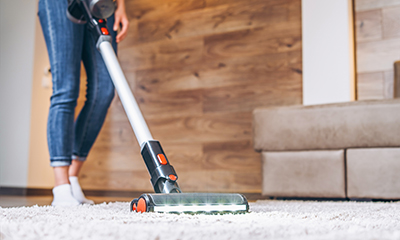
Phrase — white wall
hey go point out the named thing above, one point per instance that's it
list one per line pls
(328, 51)
(40, 174)
(17, 28)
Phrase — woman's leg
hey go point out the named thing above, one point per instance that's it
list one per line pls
(73, 173)
(61, 175)
(75, 168)
(64, 44)
(100, 92)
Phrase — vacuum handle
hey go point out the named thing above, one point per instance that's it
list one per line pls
(131, 107)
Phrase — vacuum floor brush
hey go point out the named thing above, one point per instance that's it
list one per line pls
(168, 197)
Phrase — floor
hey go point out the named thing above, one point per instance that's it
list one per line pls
(268, 219)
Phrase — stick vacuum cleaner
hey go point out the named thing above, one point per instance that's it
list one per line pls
(168, 197)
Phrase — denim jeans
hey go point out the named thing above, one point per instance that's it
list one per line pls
(68, 44)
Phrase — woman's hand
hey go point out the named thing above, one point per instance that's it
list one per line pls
(121, 19)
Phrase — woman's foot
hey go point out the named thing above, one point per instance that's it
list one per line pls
(77, 191)
(62, 196)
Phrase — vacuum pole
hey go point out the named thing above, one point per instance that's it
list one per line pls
(131, 107)
(163, 175)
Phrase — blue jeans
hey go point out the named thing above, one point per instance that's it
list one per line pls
(68, 44)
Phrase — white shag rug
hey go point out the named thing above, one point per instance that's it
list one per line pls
(267, 220)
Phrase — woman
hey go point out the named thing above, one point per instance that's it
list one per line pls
(70, 141)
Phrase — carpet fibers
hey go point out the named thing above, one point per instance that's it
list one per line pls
(267, 220)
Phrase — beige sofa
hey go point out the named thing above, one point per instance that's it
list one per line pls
(346, 150)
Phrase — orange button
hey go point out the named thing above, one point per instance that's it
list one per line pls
(104, 31)
(101, 20)
(172, 177)
(162, 159)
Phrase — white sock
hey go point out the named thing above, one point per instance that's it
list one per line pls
(77, 191)
(62, 196)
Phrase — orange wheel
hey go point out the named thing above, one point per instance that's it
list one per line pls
(141, 205)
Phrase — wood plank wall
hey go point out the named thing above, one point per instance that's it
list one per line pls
(198, 68)
(378, 47)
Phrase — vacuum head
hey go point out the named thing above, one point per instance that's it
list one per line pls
(191, 203)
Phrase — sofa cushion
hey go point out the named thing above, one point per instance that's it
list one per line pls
(331, 126)
(373, 173)
(316, 174)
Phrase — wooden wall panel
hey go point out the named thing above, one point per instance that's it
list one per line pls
(377, 56)
(377, 47)
(197, 70)
(370, 86)
(369, 25)
(248, 96)
(162, 54)
(388, 84)
(363, 5)
(209, 21)
(221, 72)
(391, 22)
(215, 127)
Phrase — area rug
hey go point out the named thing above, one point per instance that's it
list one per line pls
(267, 220)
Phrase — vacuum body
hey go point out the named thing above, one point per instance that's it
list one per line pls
(168, 197)
(101, 9)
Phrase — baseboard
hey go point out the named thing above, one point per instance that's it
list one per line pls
(13, 191)
(16, 191)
